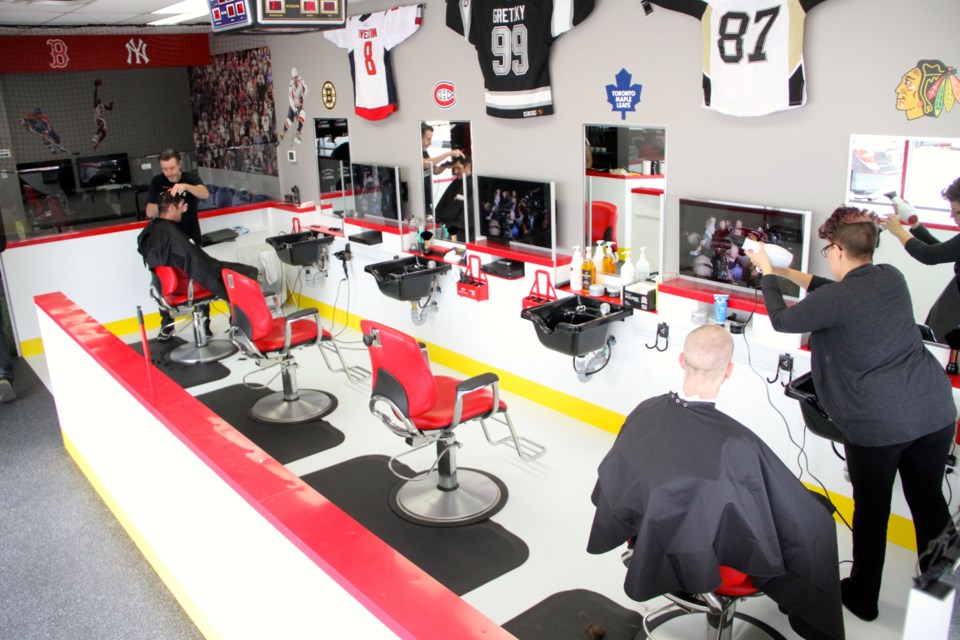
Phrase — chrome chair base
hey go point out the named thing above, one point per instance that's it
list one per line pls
(212, 351)
(276, 409)
(478, 496)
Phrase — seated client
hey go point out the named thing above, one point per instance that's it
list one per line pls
(163, 244)
(696, 490)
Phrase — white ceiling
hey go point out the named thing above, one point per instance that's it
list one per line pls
(69, 13)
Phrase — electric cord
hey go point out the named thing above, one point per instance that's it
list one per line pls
(803, 461)
(938, 552)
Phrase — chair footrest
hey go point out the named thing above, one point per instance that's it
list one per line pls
(527, 449)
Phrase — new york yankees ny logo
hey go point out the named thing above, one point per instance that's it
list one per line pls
(58, 53)
(138, 49)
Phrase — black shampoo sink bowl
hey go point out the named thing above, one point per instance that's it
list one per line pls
(814, 415)
(408, 278)
(575, 325)
(299, 249)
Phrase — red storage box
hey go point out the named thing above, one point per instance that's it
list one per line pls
(540, 294)
(473, 282)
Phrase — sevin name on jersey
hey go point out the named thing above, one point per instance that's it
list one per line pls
(508, 14)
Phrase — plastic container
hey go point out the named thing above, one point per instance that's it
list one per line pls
(628, 273)
(576, 270)
(720, 307)
(643, 265)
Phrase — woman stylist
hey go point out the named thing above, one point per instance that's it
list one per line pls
(888, 395)
(919, 242)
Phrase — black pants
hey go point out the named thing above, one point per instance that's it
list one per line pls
(921, 464)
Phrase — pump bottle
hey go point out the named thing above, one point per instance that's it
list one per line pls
(589, 271)
(779, 256)
(905, 211)
(609, 260)
(598, 254)
(643, 265)
(576, 270)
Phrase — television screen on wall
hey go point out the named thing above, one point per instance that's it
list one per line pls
(376, 191)
(103, 171)
(47, 178)
(520, 212)
(707, 252)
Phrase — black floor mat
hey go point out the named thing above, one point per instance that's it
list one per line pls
(575, 615)
(285, 443)
(185, 375)
(460, 558)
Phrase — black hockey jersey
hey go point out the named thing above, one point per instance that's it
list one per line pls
(513, 42)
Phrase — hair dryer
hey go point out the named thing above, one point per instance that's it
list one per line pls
(905, 210)
(779, 257)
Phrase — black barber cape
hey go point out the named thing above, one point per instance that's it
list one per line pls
(698, 490)
(163, 244)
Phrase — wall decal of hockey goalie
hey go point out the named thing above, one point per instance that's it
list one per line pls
(99, 115)
(929, 89)
(295, 112)
(38, 123)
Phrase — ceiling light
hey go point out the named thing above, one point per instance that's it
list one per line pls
(183, 17)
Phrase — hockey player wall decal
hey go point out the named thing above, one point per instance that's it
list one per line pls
(38, 123)
(296, 111)
(928, 89)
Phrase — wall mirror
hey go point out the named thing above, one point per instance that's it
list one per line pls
(446, 150)
(333, 162)
(624, 181)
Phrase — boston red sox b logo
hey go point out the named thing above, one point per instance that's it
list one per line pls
(58, 53)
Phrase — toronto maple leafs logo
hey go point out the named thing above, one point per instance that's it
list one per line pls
(623, 95)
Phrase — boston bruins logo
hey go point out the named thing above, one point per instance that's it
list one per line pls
(329, 95)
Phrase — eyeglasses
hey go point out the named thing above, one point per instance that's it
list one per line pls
(826, 249)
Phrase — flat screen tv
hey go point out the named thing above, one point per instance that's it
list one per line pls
(377, 191)
(521, 212)
(47, 178)
(102, 171)
(707, 253)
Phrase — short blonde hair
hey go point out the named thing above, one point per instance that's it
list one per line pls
(707, 351)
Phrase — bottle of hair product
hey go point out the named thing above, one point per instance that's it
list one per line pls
(598, 254)
(589, 271)
(609, 260)
(643, 265)
(628, 273)
(576, 271)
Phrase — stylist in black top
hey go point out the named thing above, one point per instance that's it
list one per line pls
(888, 395)
(945, 313)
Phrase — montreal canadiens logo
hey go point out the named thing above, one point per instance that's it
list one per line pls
(445, 94)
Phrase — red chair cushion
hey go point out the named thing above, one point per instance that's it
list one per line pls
(303, 331)
(175, 287)
(400, 356)
(476, 403)
(734, 583)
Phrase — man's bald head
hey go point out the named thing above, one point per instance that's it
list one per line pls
(707, 353)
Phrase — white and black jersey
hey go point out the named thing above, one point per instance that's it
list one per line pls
(513, 42)
(368, 40)
(752, 53)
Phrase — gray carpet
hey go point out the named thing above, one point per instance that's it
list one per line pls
(67, 568)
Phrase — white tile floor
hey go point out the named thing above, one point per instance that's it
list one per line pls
(549, 503)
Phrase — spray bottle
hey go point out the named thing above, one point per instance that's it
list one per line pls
(779, 256)
(576, 270)
(905, 210)
(643, 265)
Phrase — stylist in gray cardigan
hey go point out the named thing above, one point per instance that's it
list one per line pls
(888, 395)
(944, 315)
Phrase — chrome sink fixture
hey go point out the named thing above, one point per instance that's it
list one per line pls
(577, 326)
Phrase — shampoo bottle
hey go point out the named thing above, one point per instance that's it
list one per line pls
(609, 260)
(643, 265)
(576, 270)
(598, 254)
(589, 271)
(628, 274)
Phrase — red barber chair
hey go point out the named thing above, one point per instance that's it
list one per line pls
(264, 338)
(425, 409)
(719, 606)
(603, 222)
(178, 294)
